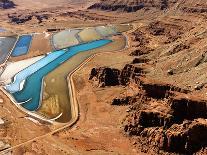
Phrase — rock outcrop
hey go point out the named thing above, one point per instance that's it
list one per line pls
(140, 51)
(105, 76)
(157, 126)
(188, 109)
(6, 4)
(21, 19)
(163, 116)
(123, 101)
(159, 90)
(116, 6)
(131, 5)
(187, 137)
(167, 109)
(172, 31)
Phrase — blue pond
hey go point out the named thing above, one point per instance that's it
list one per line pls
(31, 93)
(22, 46)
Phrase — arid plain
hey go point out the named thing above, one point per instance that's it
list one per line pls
(143, 93)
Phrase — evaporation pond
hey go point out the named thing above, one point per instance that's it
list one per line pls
(22, 45)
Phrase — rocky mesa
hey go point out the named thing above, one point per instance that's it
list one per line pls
(132, 5)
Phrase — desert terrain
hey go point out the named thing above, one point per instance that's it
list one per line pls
(147, 97)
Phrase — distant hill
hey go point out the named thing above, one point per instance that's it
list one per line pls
(6, 4)
(131, 5)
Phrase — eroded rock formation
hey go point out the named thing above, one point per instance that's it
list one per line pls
(6, 4)
(105, 76)
(131, 5)
(162, 116)
(20, 19)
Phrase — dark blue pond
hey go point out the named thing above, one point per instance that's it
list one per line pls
(22, 46)
(31, 93)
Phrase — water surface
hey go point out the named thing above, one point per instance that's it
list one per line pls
(15, 86)
(22, 46)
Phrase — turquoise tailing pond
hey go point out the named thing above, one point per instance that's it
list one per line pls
(31, 93)
(22, 75)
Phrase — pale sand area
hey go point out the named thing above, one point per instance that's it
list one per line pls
(89, 34)
(13, 68)
(106, 30)
(65, 39)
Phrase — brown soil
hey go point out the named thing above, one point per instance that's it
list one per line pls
(17, 127)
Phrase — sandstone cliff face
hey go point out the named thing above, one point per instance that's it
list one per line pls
(131, 5)
(191, 6)
(187, 137)
(165, 120)
(167, 111)
(177, 124)
(163, 117)
(105, 76)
